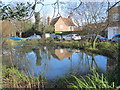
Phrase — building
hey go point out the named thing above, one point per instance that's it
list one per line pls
(62, 24)
(114, 21)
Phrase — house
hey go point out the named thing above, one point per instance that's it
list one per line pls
(114, 21)
(62, 24)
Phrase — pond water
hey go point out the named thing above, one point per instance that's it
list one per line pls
(55, 62)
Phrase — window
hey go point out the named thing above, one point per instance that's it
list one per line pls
(116, 17)
(77, 35)
(117, 36)
(61, 26)
(71, 28)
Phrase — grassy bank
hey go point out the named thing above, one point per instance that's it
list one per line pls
(13, 78)
(103, 48)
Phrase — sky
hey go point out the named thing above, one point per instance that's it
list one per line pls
(48, 10)
(59, 0)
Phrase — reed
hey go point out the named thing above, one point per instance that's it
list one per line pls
(13, 78)
(94, 80)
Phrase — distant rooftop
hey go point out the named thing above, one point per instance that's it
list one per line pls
(67, 21)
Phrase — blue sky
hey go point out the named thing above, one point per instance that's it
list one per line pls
(59, 0)
(48, 10)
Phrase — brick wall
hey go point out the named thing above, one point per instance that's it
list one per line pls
(112, 14)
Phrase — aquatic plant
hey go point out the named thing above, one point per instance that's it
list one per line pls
(94, 80)
(13, 78)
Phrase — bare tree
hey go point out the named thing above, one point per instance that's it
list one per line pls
(92, 16)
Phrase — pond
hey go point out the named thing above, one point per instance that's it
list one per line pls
(55, 62)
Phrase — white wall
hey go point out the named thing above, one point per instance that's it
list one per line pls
(112, 31)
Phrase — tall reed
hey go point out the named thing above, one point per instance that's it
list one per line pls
(94, 80)
(13, 78)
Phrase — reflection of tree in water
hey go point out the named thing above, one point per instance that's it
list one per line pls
(94, 64)
(20, 59)
(87, 59)
(51, 51)
(38, 57)
(7, 52)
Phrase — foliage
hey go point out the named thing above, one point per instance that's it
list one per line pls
(17, 11)
(103, 45)
(13, 78)
(22, 25)
(30, 32)
(49, 29)
(94, 80)
(27, 25)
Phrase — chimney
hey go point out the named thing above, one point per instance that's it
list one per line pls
(48, 20)
(70, 14)
(69, 17)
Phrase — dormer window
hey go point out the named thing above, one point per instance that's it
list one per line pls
(116, 17)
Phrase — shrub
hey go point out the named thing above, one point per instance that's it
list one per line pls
(103, 45)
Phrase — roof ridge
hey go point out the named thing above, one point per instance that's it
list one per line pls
(69, 22)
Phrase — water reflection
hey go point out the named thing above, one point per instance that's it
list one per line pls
(54, 62)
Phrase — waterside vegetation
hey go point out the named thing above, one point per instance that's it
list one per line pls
(109, 49)
(14, 78)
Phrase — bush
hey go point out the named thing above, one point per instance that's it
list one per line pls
(103, 45)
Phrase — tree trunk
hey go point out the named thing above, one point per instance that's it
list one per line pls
(94, 41)
(20, 34)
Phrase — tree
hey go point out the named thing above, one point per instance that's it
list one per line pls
(37, 21)
(92, 16)
(22, 26)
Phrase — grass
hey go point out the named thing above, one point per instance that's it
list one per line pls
(94, 80)
(103, 48)
(13, 78)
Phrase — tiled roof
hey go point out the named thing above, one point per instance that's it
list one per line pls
(67, 21)
(54, 21)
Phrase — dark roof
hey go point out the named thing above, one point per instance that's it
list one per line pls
(67, 21)
(54, 21)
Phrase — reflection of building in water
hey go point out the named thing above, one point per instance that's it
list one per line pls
(62, 53)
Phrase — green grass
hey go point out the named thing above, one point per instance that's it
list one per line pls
(13, 78)
(94, 80)
(103, 48)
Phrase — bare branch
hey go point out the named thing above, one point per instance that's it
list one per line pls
(113, 5)
(78, 5)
